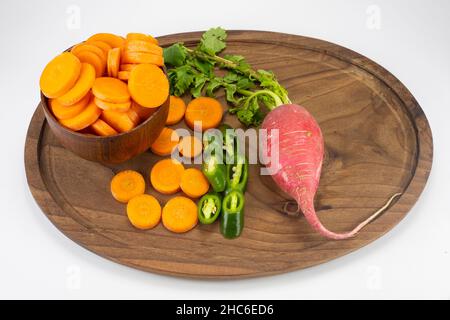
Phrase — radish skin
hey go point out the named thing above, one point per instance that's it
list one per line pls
(297, 172)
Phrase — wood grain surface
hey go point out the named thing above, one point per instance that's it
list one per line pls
(377, 139)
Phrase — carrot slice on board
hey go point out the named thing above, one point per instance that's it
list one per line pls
(165, 143)
(123, 75)
(111, 90)
(148, 85)
(179, 214)
(102, 45)
(88, 47)
(81, 87)
(165, 176)
(93, 59)
(104, 105)
(190, 146)
(142, 57)
(126, 185)
(143, 113)
(194, 183)
(143, 46)
(84, 119)
(60, 75)
(177, 109)
(128, 66)
(113, 62)
(101, 128)
(113, 40)
(144, 211)
(121, 121)
(65, 112)
(204, 110)
(141, 36)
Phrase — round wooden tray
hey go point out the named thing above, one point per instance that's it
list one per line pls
(378, 142)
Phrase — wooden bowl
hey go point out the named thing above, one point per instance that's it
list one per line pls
(111, 149)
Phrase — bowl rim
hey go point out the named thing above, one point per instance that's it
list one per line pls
(44, 101)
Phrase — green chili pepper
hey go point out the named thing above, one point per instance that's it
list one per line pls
(232, 218)
(209, 207)
(230, 142)
(237, 175)
(216, 172)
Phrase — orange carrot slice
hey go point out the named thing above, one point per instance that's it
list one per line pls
(101, 128)
(65, 112)
(165, 143)
(177, 109)
(143, 113)
(111, 90)
(93, 59)
(194, 183)
(113, 62)
(165, 176)
(143, 46)
(126, 185)
(190, 146)
(128, 66)
(179, 214)
(123, 75)
(148, 85)
(113, 40)
(84, 119)
(204, 110)
(141, 36)
(144, 211)
(104, 105)
(60, 75)
(142, 57)
(81, 87)
(121, 121)
(102, 45)
(88, 47)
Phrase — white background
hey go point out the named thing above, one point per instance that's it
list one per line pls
(409, 38)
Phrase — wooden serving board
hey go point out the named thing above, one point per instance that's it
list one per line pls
(378, 142)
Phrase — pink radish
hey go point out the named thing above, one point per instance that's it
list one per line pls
(300, 157)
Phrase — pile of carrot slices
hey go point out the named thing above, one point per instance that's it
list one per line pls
(107, 84)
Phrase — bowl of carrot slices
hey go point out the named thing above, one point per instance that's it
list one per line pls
(107, 98)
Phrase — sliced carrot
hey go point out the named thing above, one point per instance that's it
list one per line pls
(148, 85)
(101, 128)
(113, 62)
(123, 75)
(141, 36)
(190, 146)
(88, 47)
(144, 211)
(165, 176)
(66, 112)
(84, 119)
(104, 105)
(194, 183)
(81, 87)
(90, 57)
(102, 45)
(121, 121)
(177, 109)
(128, 66)
(142, 57)
(143, 113)
(60, 75)
(179, 214)
(126, 185)
(165, 143)
(111, 90)
(113, 40)
(134, 116)
(143, 46)
(204, 110)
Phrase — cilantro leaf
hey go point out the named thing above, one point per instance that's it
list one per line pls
(180, 79)
(175, 55)
(199, 83)
(213, 41)
(213, 85)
